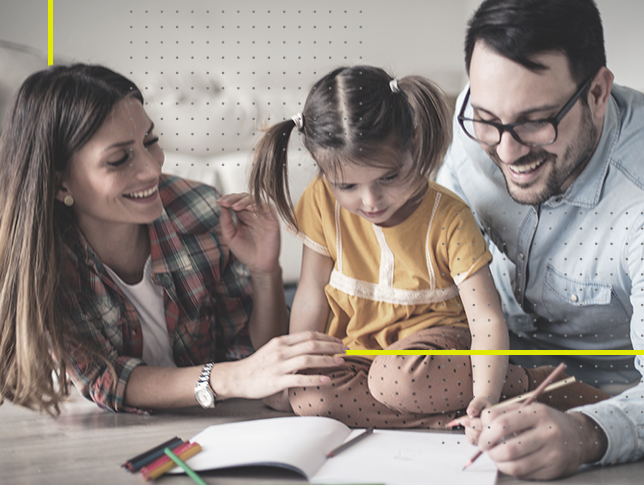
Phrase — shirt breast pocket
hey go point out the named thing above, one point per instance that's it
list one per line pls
(582, 305)
(494, 237)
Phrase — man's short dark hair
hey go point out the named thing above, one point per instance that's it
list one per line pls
(519, 29)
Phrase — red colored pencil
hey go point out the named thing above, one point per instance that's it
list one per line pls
(148, 471)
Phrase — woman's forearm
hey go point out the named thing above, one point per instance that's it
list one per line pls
(162, 387)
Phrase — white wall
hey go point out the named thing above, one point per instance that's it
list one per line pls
(256, 60)
(407, 36)
(24, 22)
(419, 36)
(623, 37)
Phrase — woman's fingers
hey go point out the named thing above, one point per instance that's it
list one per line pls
(235, 201)
(276, 365)
(297, 337)
(302, 362)
(287, 348)
(305, 380)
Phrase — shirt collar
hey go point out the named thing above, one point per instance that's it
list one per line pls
(586, 189)
(168, 253)
(75, 240)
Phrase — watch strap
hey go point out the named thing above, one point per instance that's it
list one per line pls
(203, 383)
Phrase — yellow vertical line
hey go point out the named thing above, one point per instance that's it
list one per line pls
(50, 32)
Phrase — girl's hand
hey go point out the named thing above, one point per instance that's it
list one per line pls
(275, 366)
(255, 240)
(472, 422)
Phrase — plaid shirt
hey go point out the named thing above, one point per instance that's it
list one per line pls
(207, 297)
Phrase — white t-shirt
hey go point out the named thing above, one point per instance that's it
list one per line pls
(147, 298)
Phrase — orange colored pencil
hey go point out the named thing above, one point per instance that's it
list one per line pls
(159, 467)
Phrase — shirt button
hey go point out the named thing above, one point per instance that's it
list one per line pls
(520, 255)
(574, 298)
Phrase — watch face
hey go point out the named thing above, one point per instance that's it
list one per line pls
(204, 398)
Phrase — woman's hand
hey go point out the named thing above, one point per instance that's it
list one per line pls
(275, 366)
(255, 239)
(472, 422)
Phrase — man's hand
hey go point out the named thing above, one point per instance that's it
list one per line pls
(540, 443)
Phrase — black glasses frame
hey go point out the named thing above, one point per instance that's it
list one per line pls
(554, 120)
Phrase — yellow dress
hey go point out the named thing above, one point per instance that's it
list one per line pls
(390, 282)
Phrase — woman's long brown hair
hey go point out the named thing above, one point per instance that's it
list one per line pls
(55, 112)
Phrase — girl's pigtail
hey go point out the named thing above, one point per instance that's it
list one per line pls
(269, 175)
(432, 123)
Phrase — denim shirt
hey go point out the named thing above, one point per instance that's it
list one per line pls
(570, 271)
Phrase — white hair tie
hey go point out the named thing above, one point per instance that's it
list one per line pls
(298, 119)
(393, 85)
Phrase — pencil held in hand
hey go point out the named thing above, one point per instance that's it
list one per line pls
(533, 396)
(522, 397)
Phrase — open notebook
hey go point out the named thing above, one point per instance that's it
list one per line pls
(301, 444)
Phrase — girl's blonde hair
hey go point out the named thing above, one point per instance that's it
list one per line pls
(349, 116)
(55, 113)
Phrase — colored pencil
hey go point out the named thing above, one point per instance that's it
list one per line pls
(541, 388)
(142, 459)
(191, 473)
(521, 398)
(165, 463)
(350, 443)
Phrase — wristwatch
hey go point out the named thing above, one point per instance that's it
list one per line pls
(204, 394)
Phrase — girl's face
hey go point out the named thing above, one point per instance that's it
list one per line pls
(114, 177)
(375, 193)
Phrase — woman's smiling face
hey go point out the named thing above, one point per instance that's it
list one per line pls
(114, 177)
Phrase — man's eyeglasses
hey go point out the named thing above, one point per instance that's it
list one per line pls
(533, 133)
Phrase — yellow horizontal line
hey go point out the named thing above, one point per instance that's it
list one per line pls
(495, 352)
(50, 32)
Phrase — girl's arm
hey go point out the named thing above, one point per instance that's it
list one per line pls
(489, 332)
(310, 307)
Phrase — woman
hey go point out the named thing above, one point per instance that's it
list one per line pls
(107, 265)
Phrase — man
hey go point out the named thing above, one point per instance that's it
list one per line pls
(550, 156)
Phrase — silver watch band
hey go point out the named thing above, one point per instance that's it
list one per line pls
(204, 393)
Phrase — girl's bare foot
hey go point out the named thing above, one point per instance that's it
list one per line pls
(279, 402)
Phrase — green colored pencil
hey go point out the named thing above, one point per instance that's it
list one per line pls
(191, 473)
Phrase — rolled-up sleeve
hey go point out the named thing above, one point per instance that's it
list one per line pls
(622, 417)
(96, 368)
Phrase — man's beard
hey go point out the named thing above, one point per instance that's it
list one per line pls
(579, 151)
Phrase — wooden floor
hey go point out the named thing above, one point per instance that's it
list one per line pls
(87, 445)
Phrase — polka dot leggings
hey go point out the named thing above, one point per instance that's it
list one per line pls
(417, 391)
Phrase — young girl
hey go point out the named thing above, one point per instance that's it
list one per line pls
(131, 282)
(391, 260)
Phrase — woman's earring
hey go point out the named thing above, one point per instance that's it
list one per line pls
(68, 200)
